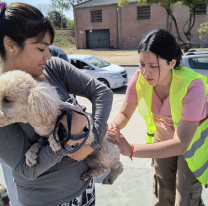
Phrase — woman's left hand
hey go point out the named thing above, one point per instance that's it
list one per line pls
(82, 153)
(124, 146)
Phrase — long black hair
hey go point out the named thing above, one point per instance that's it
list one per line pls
(163, 44)
(20, 22)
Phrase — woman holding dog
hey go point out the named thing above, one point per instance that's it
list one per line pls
(173, 101)
(25, 36)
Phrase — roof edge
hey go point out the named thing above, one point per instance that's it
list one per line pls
(107, 4)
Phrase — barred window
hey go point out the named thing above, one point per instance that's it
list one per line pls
(96, 16)
(143, 12)
(202, 9)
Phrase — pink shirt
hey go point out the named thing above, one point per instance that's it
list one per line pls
(195, 107)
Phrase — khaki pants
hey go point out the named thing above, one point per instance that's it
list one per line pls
(175, 183)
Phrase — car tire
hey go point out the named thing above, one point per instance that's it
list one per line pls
(104, 81)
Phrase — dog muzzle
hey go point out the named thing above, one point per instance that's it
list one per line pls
(64, 137)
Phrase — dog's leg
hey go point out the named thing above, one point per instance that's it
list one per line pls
(113, 174)
(31, 155)
(55, 146)
(95, 168)
(93, 173)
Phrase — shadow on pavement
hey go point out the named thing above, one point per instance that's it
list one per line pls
(121, 90)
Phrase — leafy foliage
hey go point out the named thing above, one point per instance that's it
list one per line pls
(203, 31)
(169, 5)
(55, 17)
(70, 24)
(65, 4)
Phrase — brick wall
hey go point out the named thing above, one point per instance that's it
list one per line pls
(182, 15)
(131, 30)
(83, 23)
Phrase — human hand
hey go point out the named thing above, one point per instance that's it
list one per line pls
(119, 139)
(82, 153)
(113, 125)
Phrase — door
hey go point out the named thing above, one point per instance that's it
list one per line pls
(98, 39)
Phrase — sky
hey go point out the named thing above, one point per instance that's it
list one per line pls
(35, 3)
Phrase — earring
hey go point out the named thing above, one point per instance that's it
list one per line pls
(11, 50)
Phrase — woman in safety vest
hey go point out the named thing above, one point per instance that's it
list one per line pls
(172, 99)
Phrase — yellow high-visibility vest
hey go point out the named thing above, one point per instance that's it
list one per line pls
(196, 155)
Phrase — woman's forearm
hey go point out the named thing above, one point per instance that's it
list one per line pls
(121, 120)
(164, 149)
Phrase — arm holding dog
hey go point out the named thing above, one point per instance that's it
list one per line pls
(81, 84)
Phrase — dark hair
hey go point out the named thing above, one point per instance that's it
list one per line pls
(21, 22)
(162, 44)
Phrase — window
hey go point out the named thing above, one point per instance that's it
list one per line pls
(96, 16)
(143, 12)
(78, 64)
(199, 63)
(97, 62)
(202, 9)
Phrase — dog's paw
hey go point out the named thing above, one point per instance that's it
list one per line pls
(31, 155)
(86, 176)
(31, 158)
(108, 180)
(55, 146)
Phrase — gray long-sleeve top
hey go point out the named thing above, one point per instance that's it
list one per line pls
(56, 179)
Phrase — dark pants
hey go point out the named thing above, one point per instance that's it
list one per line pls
(174, 182)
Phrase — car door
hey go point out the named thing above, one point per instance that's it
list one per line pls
(199, 64)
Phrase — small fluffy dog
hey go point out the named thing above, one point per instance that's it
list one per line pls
(24, 99)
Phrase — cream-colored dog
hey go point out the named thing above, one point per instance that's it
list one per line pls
(24, 99)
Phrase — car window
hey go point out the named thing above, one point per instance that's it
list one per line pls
(79, 64)
(97, 62)
(199, 63)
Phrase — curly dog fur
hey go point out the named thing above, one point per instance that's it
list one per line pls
(24, 99)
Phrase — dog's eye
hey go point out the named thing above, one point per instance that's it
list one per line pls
(6, 100)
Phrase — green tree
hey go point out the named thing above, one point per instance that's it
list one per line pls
(64, 5)
(70, 24)
(203, 32)
(56, 17)
(169, 6)
(193, 8)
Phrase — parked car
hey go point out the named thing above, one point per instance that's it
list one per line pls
(197, 62)
(194, 52)
(111, 75)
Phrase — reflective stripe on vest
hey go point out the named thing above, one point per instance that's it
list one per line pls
(196, 145)
(196, 155)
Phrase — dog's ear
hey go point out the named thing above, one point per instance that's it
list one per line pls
(43, 105)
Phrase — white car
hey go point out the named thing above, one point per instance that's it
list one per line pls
(197, 62)
(194, 52)
(111, 75)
